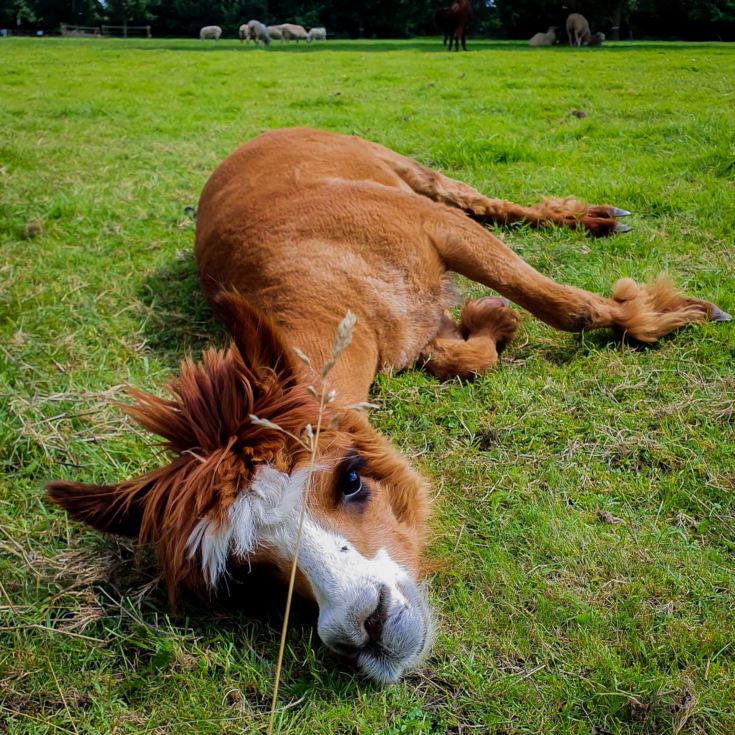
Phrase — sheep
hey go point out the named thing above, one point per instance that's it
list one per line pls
(210, 32)
(291, 31)
(244, 33)
(317, 34)
(257, 32)
(544, 39)
(596, 39)
(578, 30)
(274, 33)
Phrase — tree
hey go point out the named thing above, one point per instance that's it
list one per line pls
(687, 19)
(129, 12)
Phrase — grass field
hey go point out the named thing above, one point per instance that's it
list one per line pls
(584, 528)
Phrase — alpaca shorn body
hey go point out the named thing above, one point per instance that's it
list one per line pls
(294, 229)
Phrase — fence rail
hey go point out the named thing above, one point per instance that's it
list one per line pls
(104, 31)
(80, 31)
(124, 31)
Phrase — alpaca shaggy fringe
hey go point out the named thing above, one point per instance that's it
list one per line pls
(647, 313)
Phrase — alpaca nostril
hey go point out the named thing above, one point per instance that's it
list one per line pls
(374, 622)
(363, 628)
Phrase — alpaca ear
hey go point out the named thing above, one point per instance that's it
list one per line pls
(110, 508)
(262, 345)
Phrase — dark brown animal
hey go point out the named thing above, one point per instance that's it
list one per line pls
(455, 21)
(295, 228)
(442, 21)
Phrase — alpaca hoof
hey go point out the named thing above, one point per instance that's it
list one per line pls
(600, 220)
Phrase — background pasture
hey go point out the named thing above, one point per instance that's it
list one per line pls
(583, 529)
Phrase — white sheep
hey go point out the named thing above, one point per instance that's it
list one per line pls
(291, 32)
(544, 39)
(258, 32)
(210, 32)
(596, 39)
(274, 33)
(318, 34)
(578, 30)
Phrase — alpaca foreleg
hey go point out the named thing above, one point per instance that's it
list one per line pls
(486, 327)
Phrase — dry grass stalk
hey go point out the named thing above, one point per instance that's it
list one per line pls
(63, 698)
(310, 441)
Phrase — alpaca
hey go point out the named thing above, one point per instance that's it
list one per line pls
(294, 229)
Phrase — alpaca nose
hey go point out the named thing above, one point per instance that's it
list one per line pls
(365, 627)
(383, 628)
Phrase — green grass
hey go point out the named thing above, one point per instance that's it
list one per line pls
(550, 619)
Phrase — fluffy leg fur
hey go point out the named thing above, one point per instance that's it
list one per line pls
(649, 312)
(485, 329)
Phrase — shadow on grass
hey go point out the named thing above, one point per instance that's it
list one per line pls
(601, 341)
(176, 318)
(246, 611)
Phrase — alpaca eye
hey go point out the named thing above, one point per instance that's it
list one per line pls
(352, 485)
(348, 483)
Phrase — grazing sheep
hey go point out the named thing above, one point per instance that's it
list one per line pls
(244, 33)
(257, 32)
(210, 32)
(544, 39)
(578, 29)
(293, 32)
(597, 39)
(318, 34)
(274, 33)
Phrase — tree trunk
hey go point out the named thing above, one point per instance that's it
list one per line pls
(617, 14)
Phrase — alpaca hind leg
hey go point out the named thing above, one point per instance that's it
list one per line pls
(645, 313)
(568, 212)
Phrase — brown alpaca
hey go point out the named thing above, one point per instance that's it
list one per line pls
(443, 22)
(454, 22)
(294, 229)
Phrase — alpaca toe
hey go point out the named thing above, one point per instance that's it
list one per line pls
(718, 315)
(601, 220)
